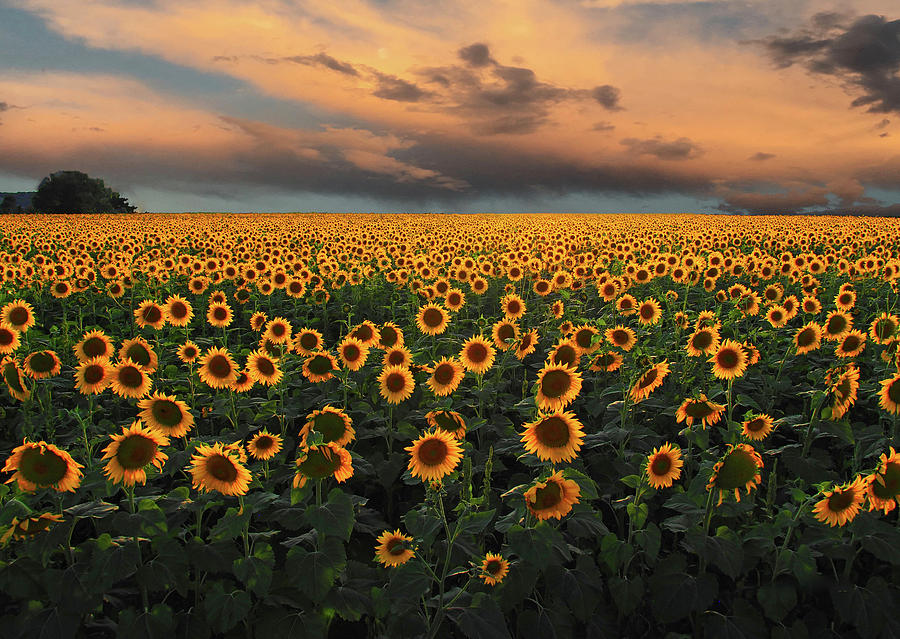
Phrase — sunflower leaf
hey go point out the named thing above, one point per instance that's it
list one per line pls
(335, 517)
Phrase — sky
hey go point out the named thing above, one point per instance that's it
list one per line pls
(561, 106)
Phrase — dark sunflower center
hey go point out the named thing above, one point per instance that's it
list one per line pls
(513, 307)
(363, 333)
(625, 304)
(396, 546)
(42, 468)
(278, 330)
(18, 316)
(845, 299)
(265, 367)
(433, 452)
(891, 486)
(661, 465)
(453, 299)
(605, 360)
(699, 410)
(331, 425)
(565, 354)
(777, 316)
(152, 314)
(526, 341)
(756, 425)
(648, 378)
(737, 470)
(836, 325)
(583, 338)
(893, 391)
(505, 332)
(94, 374)
(806, 337)
(62, 288)
(477, 353)
(647, 311)
(432, 317)
(851, 343)
(220, 313)
(556, 383)
(397, 358)
(840, 500)
(727, 359)
(222, 468)
(445, 421)
(309, 341)
(42, 362)
(320, 365)
(395, 382)
(95, 347)
(320, 463)
(548, 496)
(493, 567)
(351, 352)
(6, 336)
(130, 377)
(295, 288)
(189, 352)
(136, 451)
(219, 366)
(885, 328)
(138, 354)
(166, 412)
(553, 432)
(178, 310)
(443, 374)
(264, 443)
(388, 336)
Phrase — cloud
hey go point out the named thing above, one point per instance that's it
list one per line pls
(3, 107)
(603, 126)
(393, 88)
(882, 124)
(793, 196)
(680, 149)
(608, 96)
(761, 156)
(476, 55)
(864, 54)
(322, 60)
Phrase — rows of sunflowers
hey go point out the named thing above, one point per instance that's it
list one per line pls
(449, 426)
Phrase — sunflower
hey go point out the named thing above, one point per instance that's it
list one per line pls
(626, 305)
(219, 314)
(390, 336)
(542, 287)
(151, 314)
(837, 324)
(39, 465)
(526, 345)
(777, 316)
(188, 352)
(434, 455)
(263, 369)
(553, 497)
(307, 341)
(93, 376)
(278, 331)
(217, 369)
(393, 548)
(565, 352)
(432, 319)
(738, 468)
(353, 353)
(216, 468)
(649, 381)
(42, 364)
(844, 382)
(889, 395)
(477, 354)
(883, 486)
(505, 333)
(557, 309)
(320, 367)
(455, 300)
(9, 339)
(166, 414)
(139, 352)
(258, 321)
(649, 312)
(513, 306)
(884, 328)
(60, 289)
(178, 311)
(93, 344)
(367, 333)
(131, 451)
(29, 527)
(319, 462)
(243, 382)
(845, 300)
(703, 341)
(852, 344)
(729, 361)
(757, 428)
(664, 466)
(841, 505)
(493, 569)
(397, 383)
(811, 306)
(397, 356)
(606, 362)
(264, 446)
(332, 423)
(129, 380)
(621, 337)
(18, 314)
(702, 409)
(448, 421)
(446, 377)
(554, 437)
(808, 338)
(558, 386)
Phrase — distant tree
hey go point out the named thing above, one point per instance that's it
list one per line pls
(8, 205)
(77, 192)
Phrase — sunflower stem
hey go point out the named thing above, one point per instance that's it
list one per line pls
(129, 490)
(790, 531)
(813, 420)
(245, 532)
(435, 624)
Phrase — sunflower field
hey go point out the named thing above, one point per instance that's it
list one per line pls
(475, 426)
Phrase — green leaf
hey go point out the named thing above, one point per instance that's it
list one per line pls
(157, 622)
(475, 523)
(588, 486)
(537, 545)
(256, 572)
(627, 593)
(319, 568)
(224, 609)
(482, 619)
(335, 517)
(777, 599)
(422, 525)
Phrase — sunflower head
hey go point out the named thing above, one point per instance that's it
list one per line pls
(131, 451)
(332, 423)
(558, 386)
(664, 466)
(738, 468)
(217, 468)
(553, 497)
(39, 465)
(448, 421)
(841, 505)
(264, 445)
(393, 548)
(320, 367)
(434, 455)
(319, 462)
(554, 437)
(493, 569)
(883, 486)
(758, 428)
(166, 414)
(42, 364)
(396, 383)
(477, 354)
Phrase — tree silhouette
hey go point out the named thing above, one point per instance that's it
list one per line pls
(77, 192)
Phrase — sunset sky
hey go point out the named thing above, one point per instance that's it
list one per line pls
(458, 105)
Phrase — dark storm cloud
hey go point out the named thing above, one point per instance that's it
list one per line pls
(794, 200)
(476, 55)
(390, 87)
(761, 156)
(865, 54)
(608, 96)
(680, 149)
